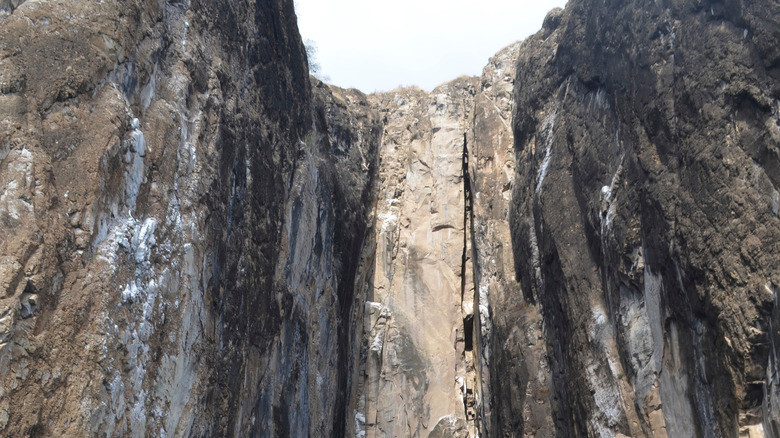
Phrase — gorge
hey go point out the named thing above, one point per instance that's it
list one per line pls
(197, 238)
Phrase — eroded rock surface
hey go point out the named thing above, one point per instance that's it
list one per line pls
(439, 360)
(513, 393)
(417, 373)
(179, 217)
(197, 239)
(644, 216)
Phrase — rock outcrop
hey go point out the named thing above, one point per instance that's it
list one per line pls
(418, 370)
(643, 168)
(198, 239)
(180, 216)
(514, 381)
(644, 216)
(443, 261)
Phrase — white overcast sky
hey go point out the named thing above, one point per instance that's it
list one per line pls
(378, 45)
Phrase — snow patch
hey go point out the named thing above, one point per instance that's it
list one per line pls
(143, 240)
(598, 323)
(184, 33)
(14, 203)
(378, 342)
(131, 293)
(484, 310)
(608, 204)
(608, 412)
(388, 219)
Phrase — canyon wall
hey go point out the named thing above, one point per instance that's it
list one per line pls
(645, 214)
(180, 217)
(198, 239)
(418, 371)
(451, 345)
(620, 212)
(513, 389)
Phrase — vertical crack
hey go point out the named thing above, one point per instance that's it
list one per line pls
(468, 332)
(469, 401)
(467, 203)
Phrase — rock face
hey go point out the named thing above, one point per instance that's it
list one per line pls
(443, 262)
(417, 368)
(513, 381)
(644, 219)
(180, 216)
(643, 170)
(197, 239)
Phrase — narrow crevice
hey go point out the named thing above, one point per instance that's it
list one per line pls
(468, 332)
(467, 204)
(469, 400)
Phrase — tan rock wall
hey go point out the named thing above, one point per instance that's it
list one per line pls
(416, 369)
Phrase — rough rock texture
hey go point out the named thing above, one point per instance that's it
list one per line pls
(178, 222)
(437, 359)
(513, 392)
(417, 372)
(197, 239)
(645, 214)
(343, 171)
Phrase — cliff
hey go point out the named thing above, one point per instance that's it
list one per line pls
(644, 214)
(180, 213)
(417, 368)
(443, 263)
(198, 239)
(626, 287)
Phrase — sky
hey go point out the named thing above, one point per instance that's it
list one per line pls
(379, 45)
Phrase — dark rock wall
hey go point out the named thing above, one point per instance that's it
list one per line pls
(645, 212)
(180, 222)
(257, 135)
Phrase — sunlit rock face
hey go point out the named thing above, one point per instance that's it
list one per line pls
(445, 315)
(416, 367)
(644, 218)
(180, 215)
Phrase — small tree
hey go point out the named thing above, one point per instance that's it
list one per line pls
(311, 55)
